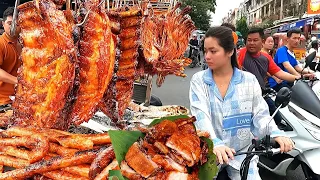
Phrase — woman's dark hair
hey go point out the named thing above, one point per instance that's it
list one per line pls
(225, 40)
(266, 36)
(229, 25)
(315, 45)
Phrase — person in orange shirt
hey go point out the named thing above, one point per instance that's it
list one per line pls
(10, 50)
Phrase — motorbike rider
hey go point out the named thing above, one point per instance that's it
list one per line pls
(286, 60)
(261, 64)
(193, 42)
(228, 103)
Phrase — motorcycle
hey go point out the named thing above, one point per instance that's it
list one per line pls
(195, 56)
(300, 122)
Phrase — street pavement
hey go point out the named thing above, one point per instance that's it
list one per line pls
(175, 91)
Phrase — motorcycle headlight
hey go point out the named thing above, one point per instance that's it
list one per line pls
(313, 129)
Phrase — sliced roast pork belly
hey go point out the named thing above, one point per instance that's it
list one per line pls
(129, 173)
(168, 164)
(140, 162)
(187, 145)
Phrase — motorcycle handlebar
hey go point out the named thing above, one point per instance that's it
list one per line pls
(274, 144)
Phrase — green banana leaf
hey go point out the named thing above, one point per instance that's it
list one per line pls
(116, 175)
(122, 140)
(210, 169)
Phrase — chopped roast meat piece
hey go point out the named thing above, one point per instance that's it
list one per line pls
(187, 145)
(168, 164)
(161, 147)
(177, 158)
(163, 130)
(128, 172)
(149, 148)
(139, 161)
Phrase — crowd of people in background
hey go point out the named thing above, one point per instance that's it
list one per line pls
(273, 67)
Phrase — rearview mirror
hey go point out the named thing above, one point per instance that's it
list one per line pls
(310, 58)
(283, 97)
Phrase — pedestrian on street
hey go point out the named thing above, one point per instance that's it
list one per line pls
(315, 63)
(193, 42)
(228, 103)
(10, 50)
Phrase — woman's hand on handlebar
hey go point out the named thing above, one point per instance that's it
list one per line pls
(223, 154)
(286, 144)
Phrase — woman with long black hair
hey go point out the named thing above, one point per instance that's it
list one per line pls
(228, 103)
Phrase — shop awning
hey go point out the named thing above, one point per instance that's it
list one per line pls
(298, 24)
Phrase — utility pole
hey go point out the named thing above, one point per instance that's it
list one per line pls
(300, 9)
(281, 10)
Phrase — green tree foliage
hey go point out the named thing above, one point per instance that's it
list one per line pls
(242, 27)
(201, 12)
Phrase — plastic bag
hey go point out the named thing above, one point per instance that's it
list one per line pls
(253, 173)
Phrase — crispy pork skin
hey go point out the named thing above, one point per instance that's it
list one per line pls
(187, 145)
(139, 161)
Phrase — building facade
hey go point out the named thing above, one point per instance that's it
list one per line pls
(259, 12)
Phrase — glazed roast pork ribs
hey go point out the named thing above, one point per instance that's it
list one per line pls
(119, 93)
(165, 153)
(96, 62)
(46, 76)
